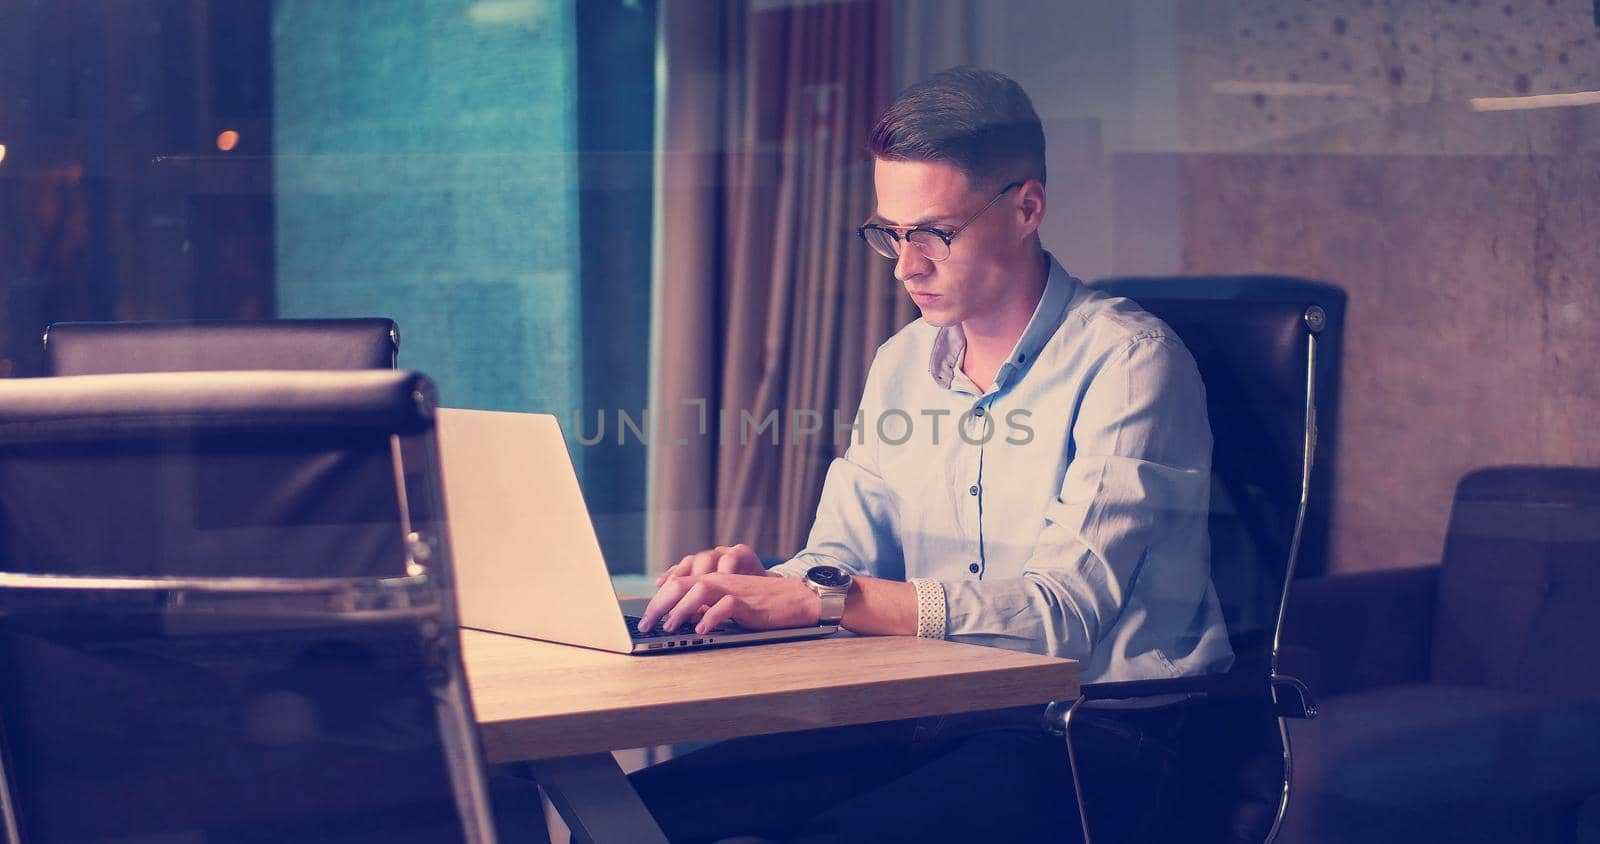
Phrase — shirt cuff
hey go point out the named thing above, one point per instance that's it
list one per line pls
(930, 608)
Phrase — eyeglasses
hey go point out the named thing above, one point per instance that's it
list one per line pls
(934, 244)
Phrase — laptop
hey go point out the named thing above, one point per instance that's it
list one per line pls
(527, 561)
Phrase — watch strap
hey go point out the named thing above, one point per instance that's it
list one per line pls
(832, 605)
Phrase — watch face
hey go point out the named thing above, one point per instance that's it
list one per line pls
(827, 576)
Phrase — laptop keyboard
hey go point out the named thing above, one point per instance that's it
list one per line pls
(685, 630)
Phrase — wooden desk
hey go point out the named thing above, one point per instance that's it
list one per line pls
(566, 708)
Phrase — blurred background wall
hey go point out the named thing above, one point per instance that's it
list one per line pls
(1338, 141)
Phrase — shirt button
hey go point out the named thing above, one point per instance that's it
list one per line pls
(972, 567)
(978, 412)
(973, 489)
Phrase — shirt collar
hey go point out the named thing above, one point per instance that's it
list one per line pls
(949, 343)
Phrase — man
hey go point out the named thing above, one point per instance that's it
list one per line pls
(1033, 455)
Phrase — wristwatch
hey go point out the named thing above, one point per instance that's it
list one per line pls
(831, 584)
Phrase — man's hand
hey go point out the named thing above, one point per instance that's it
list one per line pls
(754, 601)
(728, 559)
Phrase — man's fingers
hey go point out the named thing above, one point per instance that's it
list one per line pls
(678, 569)
(700, 593)
(726, 559)
(685, 609)
(705, 562)
(723, 610)
(665, 599)
(666, 575)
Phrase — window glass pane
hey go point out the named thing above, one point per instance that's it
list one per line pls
(424, 172)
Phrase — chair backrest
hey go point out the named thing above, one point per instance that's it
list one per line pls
(262, 473)
(225, 611)
(1267, 350)
(1259, 344)
(1519, 582)
(107, 348)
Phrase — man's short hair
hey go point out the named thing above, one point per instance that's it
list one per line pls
(976, 120)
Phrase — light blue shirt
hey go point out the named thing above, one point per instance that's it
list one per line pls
(1078, 526)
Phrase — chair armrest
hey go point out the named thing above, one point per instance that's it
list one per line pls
(1350, 632)
(1135, 695)
(1203, 685)
(1291, 698)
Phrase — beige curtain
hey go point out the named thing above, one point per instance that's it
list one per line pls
(766, 302)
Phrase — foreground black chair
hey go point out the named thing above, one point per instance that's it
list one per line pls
(225, 612)
(1257, 342)
(106, 348)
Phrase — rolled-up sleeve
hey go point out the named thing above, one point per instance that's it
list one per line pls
(856, 524)
(854, 528)
(1133, 499)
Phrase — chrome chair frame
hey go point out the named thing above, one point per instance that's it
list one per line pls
(1291, 698)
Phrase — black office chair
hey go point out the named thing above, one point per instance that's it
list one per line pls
(1459, 700)
(105, 348)
(1258, 342)
(226, 611)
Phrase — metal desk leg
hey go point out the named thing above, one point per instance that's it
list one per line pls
(596, 800)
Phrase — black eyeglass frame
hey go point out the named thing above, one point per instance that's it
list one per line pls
(895, 232)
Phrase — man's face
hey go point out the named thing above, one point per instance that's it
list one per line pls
(971, 283)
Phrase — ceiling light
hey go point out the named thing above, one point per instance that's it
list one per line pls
(1576, 98)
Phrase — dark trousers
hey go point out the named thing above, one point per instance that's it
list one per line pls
(986, 776)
